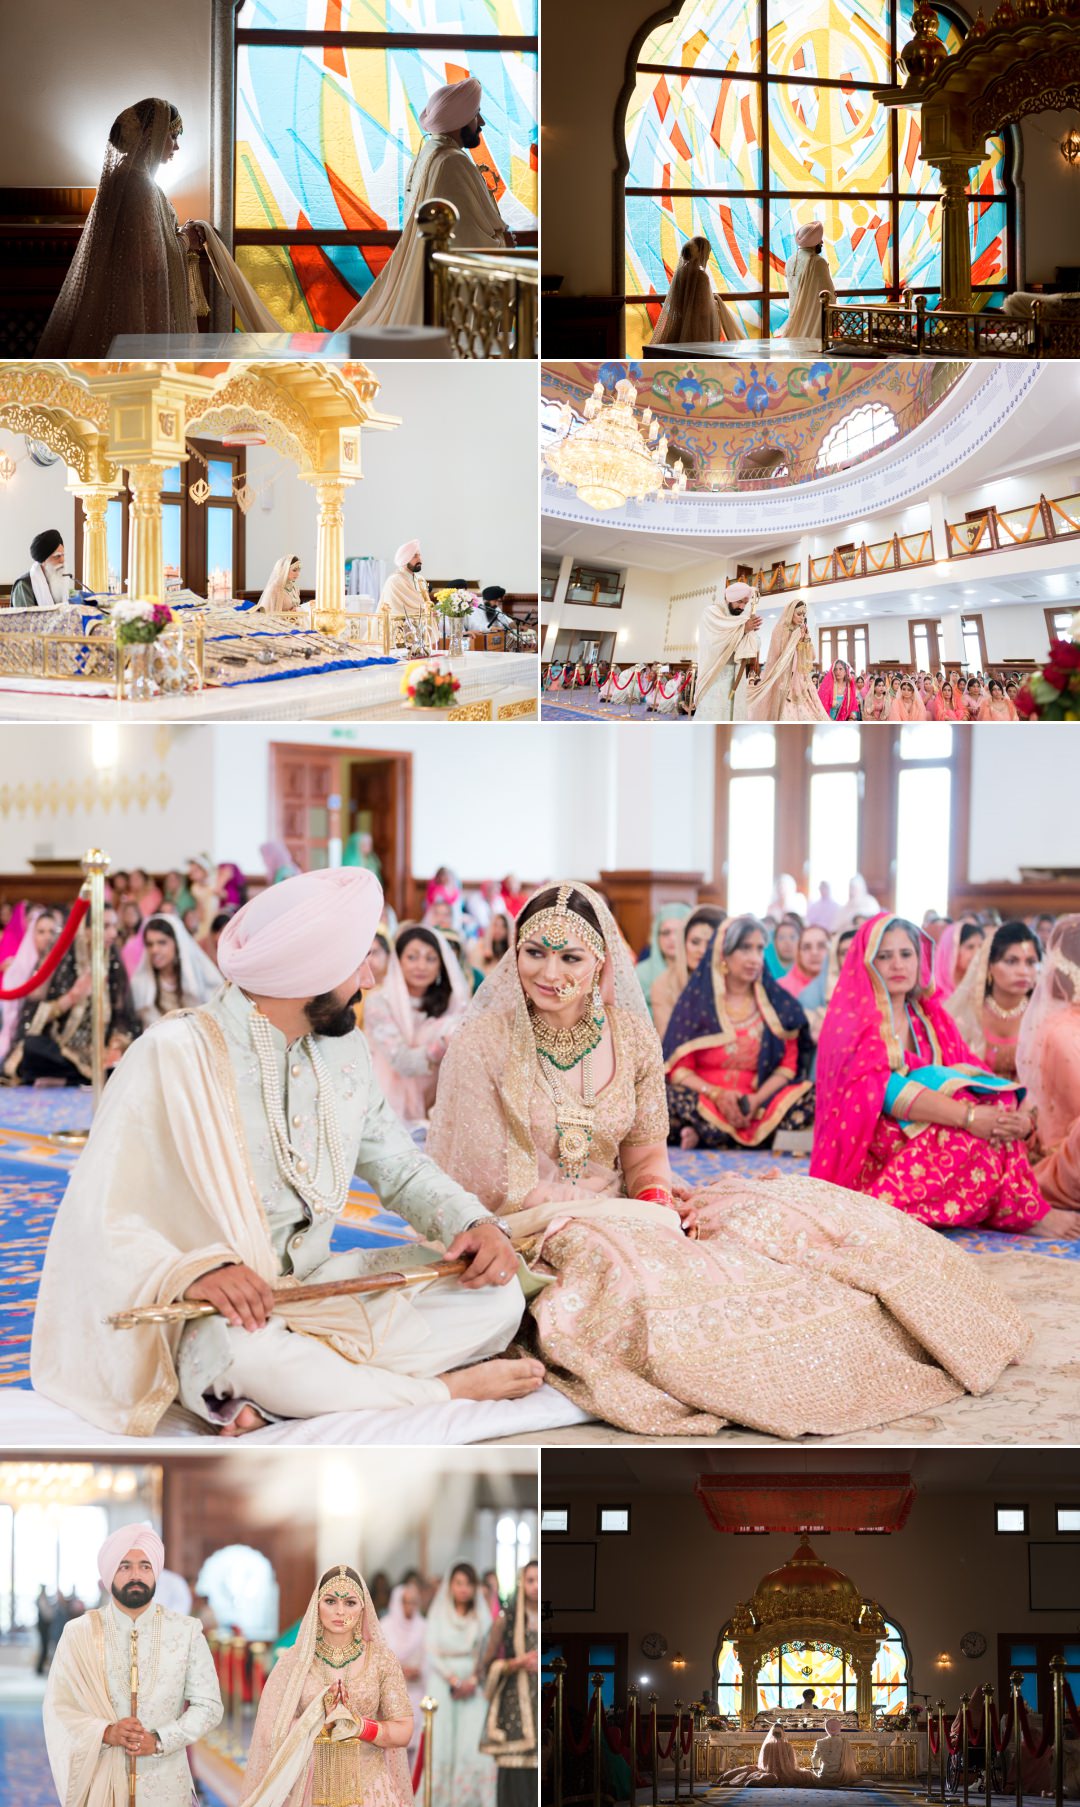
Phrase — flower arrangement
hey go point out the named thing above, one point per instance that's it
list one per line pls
(454, 605)
(428, 685)
(1053, 694)
(139, 623)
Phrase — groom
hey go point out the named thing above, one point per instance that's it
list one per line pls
(44, 586)
(219, 1166)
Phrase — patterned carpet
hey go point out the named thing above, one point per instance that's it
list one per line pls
(585, 706)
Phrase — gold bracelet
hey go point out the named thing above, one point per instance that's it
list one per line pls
(969, 1117)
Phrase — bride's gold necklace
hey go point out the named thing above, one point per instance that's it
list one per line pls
(339, 1656)
(564, 1047)
(573, 1115)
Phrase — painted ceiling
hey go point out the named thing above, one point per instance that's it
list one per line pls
(716, 414)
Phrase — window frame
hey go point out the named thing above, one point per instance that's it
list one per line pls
(1003, 1531)
(603, 1530)
(1059, 1508)
(545, 1530)
(1051, 631)
(892, 197)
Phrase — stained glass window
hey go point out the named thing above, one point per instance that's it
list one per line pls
(748, 118)
(817, 1664)
(328, 99)
(889, 1676)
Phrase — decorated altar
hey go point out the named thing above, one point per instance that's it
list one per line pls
(884, 1755)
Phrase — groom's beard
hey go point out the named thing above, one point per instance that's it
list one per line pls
(57, 581)
(328, 1016)
(133, 1593)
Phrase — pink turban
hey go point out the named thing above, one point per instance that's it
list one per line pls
(304, 936)
(452, 106)
(737, 592)
(116, 1547)
(406, 552)
(809, 236)
(832, 1726)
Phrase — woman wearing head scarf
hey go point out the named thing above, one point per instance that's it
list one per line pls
(907, 705)
(334, 1718)
(278, 861)
(11, 936)
(905, 1111)
(173, 973)
(693, 313)
(989, 1003)
(777, 1766)
(839, 696)
(860, 903)
(53, 1034)
(411, 1017)
(954, 951)
(817, 996)
(405, 1629)
(41, 928)
(1048, 1062)
(784, 945)
(877, 702)
(946, 706)
(996, 705)
(737, 1050)
(807, 275)
(691, 946)
(510, 1666)
(129, 273)
(811, 953)
(458, 1626)
(665, 937)
(281, 595)
(552, 1106)
(787, 692)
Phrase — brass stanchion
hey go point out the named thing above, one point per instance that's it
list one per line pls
(632, 1720)
(258, 1672)
(429, 1708)
(598, 1739)
(1057, 1676)
(559, 1666)
(943, 1748)
(238, 1649)
(655, 1752)
(1016, 1680)
(988, 1742)
(965, 1732)
(677, 1747)
(95, 865)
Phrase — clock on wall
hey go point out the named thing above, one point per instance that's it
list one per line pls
(973, 1643)
(653, 1644)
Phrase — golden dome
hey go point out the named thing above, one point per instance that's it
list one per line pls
(806, 1587)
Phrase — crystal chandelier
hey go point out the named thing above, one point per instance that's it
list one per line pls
(613, 458)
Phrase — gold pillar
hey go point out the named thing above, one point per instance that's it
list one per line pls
(146, 558)
(95, 541)
(328, 611)
(955, 235)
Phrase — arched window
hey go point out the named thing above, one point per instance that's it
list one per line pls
(325, 126)
(748, 118)
(815, 1664)
(857, 433)
(240, 1585)
(891, 1673)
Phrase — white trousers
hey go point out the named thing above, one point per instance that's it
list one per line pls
(418, 1335)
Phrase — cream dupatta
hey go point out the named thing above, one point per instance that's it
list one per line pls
(162, 1193)
(768, 699)
(76, 1711)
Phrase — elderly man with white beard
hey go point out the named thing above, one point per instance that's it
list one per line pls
(217, 1169)
(44, 586)
(91, 1732)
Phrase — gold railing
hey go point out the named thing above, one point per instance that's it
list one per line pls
(485, 300)
(896, 554)
(998, 530)
(176, 659)
(936, 332)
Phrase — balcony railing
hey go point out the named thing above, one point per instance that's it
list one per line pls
(896, 554)
(998, 530)
(776, 580)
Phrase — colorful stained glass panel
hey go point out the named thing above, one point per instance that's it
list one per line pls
(827, 138)
(988, 242)
(325, 138)
(471, 18)
(838, 38)
(656, 226)
(686, 132)
(311, 287)
(857, 240)
(706, 34)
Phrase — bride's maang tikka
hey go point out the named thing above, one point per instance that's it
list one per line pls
(557, 925)
(339, 1585)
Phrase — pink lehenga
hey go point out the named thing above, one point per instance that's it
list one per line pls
(802, 1308)
(1048, 1062)
(304, 1750)
(787, 692)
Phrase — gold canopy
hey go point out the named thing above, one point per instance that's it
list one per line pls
(804, 1599)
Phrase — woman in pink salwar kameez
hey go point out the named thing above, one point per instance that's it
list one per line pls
(905, 1112)
(1048, 1062)
(787, 1305)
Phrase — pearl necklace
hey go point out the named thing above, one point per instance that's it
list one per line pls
(1007, 1016)
(290, 1163)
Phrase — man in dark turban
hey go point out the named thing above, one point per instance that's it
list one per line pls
(44, 586)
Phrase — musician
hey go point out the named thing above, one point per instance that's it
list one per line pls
(221, 1167)
(46, 584)
(130, 1684)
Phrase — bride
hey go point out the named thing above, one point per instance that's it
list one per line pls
(334, 1718)
(787, 692)
(792, 1307)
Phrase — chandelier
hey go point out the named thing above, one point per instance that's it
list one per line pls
(613, 457)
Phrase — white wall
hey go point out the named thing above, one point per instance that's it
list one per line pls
(33, 499)
(1017, 817)
(1051, 197)
(70, 68)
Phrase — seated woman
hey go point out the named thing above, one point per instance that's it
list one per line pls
(411, 1018)
(905, 1113)
(282, 593)
(781, 951)
(694, 314)
(777, 1767)
(811, 953)
(40, 929)
(173, 973)
(815, 998)
(974, 696)
(690, 950)
(334, 1717)
(1048, 1062)
(877, 702)
(839, 694)
(787, 692)
(53, 1036)
(995, 705)
(946, 706)
(737, 1049)
(780, 1317)
(665, 947)
(989, 1003)
(953, 953)
(907, 704)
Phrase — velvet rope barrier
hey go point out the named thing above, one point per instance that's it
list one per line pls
(54, 956)
(626, 686)
(1033, 1749)
(418, 1766)
(581, 1749)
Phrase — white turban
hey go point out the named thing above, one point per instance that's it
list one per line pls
(406, 552)
(117, 1545)
(832, 1726)
(738, 592)
(452, 106)
(808, 236)
(305, 936)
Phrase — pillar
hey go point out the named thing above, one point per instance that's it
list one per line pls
(329, 606)
(955, 239)
(554, 609)
(146, 559)
(95, 542)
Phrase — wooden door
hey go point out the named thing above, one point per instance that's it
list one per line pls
(303, 781)
(378, 791)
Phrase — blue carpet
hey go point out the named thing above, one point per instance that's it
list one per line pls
(580, 706)
(25, 1780)
(823, 1797)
